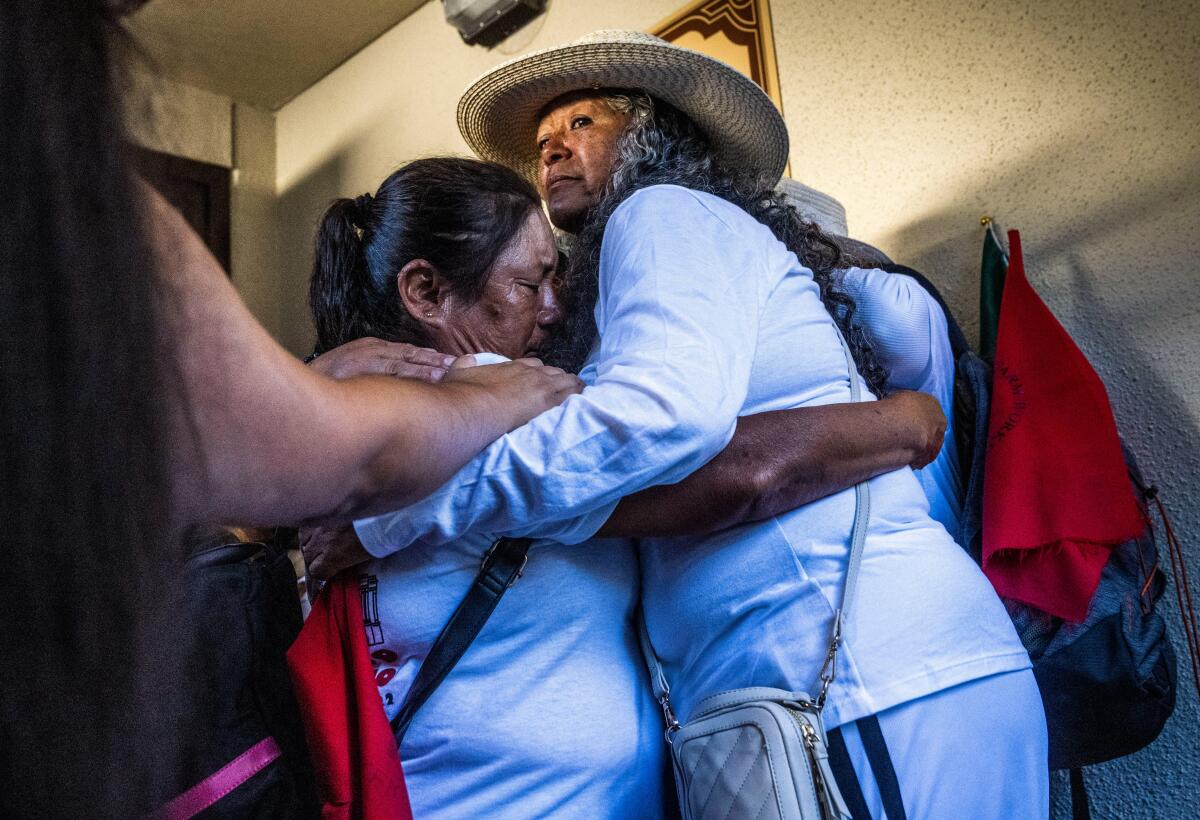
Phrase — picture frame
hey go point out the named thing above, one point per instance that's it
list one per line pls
(737, 32)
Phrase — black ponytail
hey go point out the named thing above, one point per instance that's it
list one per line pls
(341, 282)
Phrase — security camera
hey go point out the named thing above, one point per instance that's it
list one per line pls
(488, 22)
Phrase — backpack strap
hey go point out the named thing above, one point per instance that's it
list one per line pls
(1081, 807)
(220, 783)
(502, 565)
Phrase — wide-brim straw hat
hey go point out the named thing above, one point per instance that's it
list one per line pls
(830, 216)
(498, 113)
(815, 206)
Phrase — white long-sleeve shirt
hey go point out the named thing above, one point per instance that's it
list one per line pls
(704, 316)
(908, 332)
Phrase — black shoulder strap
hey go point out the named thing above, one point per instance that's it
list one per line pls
(502, 566)
(1081, 807)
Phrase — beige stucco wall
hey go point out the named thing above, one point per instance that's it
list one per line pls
(1076, 122)
(254, 233)
(179, 119)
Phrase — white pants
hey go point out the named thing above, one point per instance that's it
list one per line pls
(975, 750)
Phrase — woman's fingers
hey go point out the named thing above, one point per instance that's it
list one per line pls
(329, 550)
(424, 356)
(376, 357)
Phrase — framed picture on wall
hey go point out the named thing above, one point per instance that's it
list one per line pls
(737, 32)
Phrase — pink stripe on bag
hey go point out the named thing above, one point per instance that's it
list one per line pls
(221, 782)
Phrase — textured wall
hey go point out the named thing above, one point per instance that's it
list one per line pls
(179, 119)
(1076, 122)
(254, 233)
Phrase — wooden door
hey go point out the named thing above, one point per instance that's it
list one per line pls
(199, 190)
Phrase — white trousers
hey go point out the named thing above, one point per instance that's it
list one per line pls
(976, 750)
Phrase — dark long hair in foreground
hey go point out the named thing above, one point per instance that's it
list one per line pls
(84, 498)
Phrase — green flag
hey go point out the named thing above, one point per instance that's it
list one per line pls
(991, 287)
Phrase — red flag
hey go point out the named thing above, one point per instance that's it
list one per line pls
(353, 749)
(1056, 495)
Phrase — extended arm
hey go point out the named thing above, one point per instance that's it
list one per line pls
(784, 459)
(776, 462)
(259, 438)
(779, 461)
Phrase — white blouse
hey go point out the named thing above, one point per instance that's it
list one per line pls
(908, 331)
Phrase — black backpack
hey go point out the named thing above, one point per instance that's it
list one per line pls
(239, 704)
(1108, 684)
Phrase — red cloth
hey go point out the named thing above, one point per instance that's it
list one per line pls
(1056, 494)
(354, 753)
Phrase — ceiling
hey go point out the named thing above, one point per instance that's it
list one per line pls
(263, 52)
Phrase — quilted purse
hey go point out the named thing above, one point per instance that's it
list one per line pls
(760, 752)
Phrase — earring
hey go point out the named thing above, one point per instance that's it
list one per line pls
(429, 314)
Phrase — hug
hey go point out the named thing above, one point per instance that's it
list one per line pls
(742, 499)
(621, 482)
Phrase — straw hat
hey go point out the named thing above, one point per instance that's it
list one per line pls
(827, 212)
(830, 217)
(498, 113)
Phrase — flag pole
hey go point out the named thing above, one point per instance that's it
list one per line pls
(998, 236)
(993, 265)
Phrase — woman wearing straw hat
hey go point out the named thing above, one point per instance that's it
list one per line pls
(713, 301)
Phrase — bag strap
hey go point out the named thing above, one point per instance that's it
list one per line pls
(220, 783)
(1081, 806)
(502, 565)
(858, 537)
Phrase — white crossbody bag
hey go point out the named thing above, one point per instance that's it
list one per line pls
(761, 752)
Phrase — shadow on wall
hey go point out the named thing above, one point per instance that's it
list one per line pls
(1112, 252)
(300, 211)
(1066, 196)
(1159, 781)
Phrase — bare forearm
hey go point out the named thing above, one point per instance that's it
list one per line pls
(442, 428)
(776, 462)
(260, 439)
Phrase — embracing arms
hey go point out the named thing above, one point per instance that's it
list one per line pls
(671, 374)
(671, 369)
(779, 461)
(258, 438)
(785, 459)
(776, 462)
